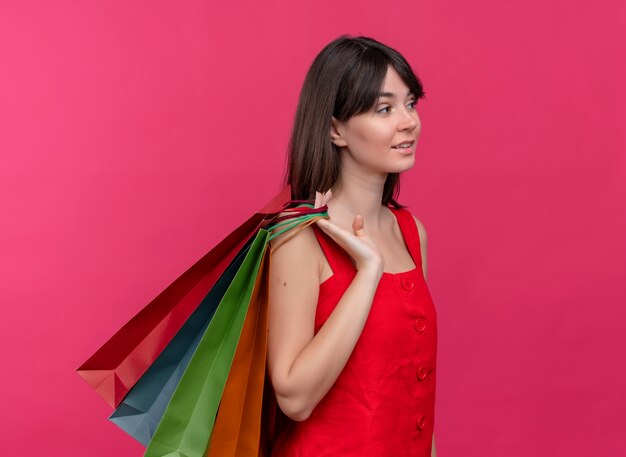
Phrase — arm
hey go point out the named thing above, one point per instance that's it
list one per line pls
(303, 366)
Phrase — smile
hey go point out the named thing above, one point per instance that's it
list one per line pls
(404, 145)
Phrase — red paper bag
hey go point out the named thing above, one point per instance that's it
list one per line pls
(115, 368)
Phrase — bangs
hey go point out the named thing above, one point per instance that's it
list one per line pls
(359, 88)
(362, 84)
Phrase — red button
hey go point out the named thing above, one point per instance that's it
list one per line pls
(407, 284)
(422, 372)
(420, 325)
(421, 422)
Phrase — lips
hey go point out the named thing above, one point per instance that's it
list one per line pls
(407, 143)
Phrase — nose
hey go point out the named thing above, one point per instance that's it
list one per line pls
(409, 121)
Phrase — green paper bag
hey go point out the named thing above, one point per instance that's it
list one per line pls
(187, 423)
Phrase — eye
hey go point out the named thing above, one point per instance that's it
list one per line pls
(414, 102)
(384, 108)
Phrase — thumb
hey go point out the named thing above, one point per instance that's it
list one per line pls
(358, 225)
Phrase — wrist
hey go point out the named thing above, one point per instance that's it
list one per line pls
(371, 271)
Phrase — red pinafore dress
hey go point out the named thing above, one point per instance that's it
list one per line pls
(383, 402)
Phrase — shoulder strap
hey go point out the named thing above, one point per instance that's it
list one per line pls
(410, 233)
(337, 258)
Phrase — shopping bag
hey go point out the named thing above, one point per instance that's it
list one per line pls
(116, 367)
(237, 427)
(142, 408)
(187, 425)
(205, 335)
(188, 421)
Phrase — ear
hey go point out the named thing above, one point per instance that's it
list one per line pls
(336, 135)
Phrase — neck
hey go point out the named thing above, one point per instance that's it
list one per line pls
(358, 195)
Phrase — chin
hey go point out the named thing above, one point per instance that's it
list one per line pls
(402, 167)
(395, 165)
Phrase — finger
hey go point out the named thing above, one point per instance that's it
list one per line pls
(317, 199)
(323, 223)
(331, 229)
(334, 231)
(358, 225)
(327, 196)
(342, 237)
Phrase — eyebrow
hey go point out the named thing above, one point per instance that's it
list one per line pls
(392, 95)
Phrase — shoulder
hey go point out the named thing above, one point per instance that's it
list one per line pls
(290, 247)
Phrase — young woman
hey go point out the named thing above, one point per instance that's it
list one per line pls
(352, 326)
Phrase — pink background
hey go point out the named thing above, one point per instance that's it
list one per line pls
(134, 135)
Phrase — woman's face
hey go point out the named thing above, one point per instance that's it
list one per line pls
(369, 138)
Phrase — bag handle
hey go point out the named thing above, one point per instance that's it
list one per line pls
(304, 214)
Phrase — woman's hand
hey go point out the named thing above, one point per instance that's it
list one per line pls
(357, 244)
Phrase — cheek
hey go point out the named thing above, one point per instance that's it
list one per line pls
(374, 135)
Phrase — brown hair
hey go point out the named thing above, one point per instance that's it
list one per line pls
(344, 80)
